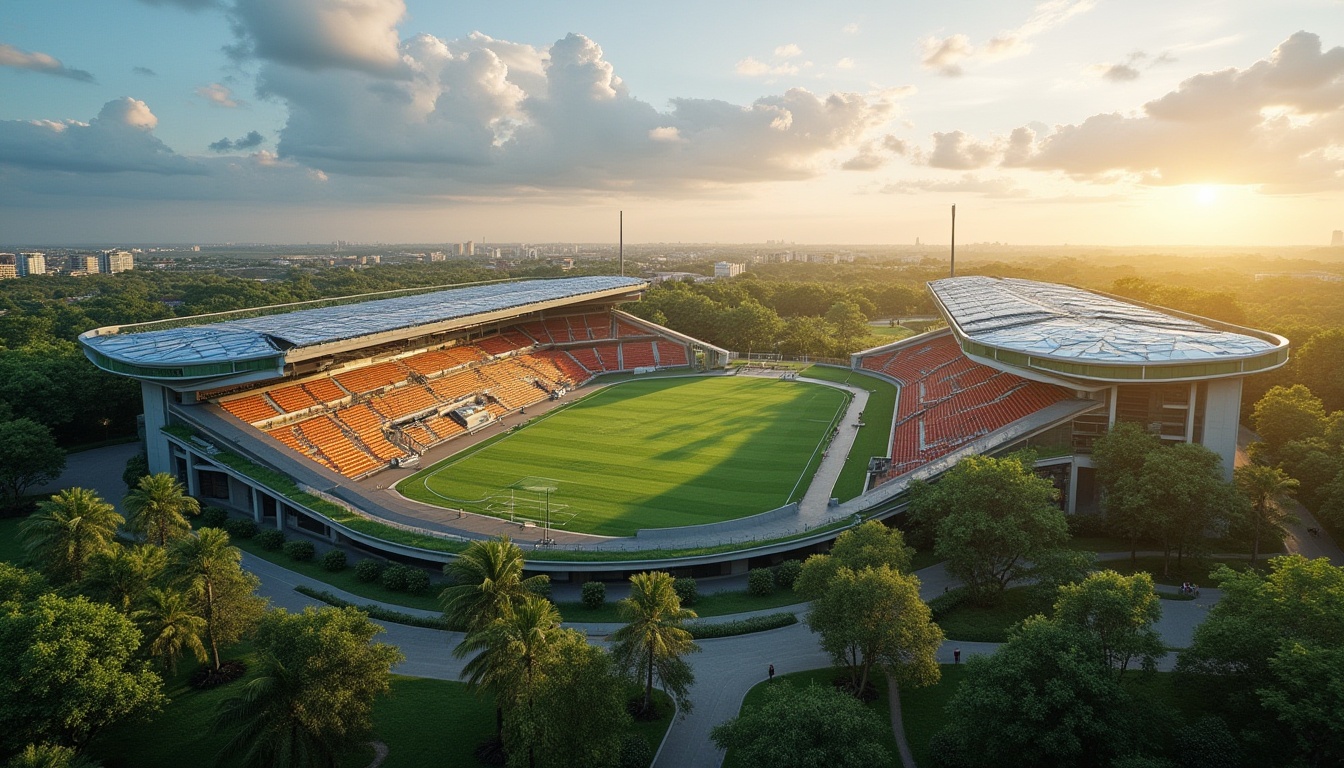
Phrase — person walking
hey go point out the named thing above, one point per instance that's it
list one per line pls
(772, 671)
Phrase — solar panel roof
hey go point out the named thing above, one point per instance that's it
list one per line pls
(268, 335)
(1063, 322)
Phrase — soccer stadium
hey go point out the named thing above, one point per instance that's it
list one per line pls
(409, 423)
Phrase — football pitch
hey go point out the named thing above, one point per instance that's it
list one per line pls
(657, 453)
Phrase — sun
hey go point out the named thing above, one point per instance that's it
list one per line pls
(1206, 195)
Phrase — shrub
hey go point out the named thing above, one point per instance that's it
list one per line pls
(686, 590)
(786, 573)
(368, 570)
(635, 751)
(213, 517)
(706, 631)
(270, 539)
(761, 582)
(594, 594)
(377, 611)
(396, 578)
(541, 587)
(417, 581)
(300, 550)
(240, 528)
(334, 560)
(942, 604)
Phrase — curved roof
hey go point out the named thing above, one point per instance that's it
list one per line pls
(1051, 325)
(270, 335)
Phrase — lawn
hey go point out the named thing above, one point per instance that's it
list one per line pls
(990, 624)
(11, 546)
(879, 705)
(923, 711)
(874, 438)
(648, 454)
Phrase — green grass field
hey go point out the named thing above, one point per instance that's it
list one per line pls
(649, 454)
(874, 438)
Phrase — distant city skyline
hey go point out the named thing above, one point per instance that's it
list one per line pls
(402, 121)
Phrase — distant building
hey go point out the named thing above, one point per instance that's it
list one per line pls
(8, 271)
(112, 262)
(31, 264)
(84, 265)
(195, 249)
(1337, 238)
(1325, 277)
(726, 269)
(437, 256)
(469, 247)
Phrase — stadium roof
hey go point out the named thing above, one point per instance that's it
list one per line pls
(1046, 325)
(272, 334)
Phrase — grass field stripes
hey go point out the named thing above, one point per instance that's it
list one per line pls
(648, 454)
(814, 461)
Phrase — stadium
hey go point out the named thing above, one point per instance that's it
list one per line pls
(409, 423)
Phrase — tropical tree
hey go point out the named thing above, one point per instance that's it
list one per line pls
(655, 640)
(222, 593)
(1119, 456)
(1288, 413)
(508, 652)
(561, 734)
(51, 756)
(1119, 613)
(805, 728)
(120, 576)
(1266, 488)
(68, 530)
(171, 628)
(29, 456)
(312, 700)
(871, 544)
(487, 584)
(874, 617)
(159, 507)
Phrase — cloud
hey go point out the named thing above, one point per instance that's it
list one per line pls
(788, 51)
(219, 95)
(1278, 123)
(995, 187)
(1127, 70)
(190, 5)
(321, 34)
(875, 154)
(850, 29)
(753, 67)
(957, 151)
(120, 138)
(146, 71)
(1120, 73)
(845, 63)
(946, 55)
(33, 61)
(252, 140)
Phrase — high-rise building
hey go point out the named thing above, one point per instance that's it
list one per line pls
(1337, 238)
(470, 247)
(31, 264)
(113, 262)
(725, 269)
(8, 270)
(85, 265)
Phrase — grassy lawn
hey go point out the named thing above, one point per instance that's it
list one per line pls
(648, 454)
(971, 623)
(824, 677)
(346, 579)
(875, 434)
(923, 711)
(717, 604)
(11, 547)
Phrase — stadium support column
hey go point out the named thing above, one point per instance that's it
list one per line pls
(155, 398)
(1072, 503)
(1222, 420)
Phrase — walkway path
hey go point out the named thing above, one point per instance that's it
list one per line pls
(1300, 541)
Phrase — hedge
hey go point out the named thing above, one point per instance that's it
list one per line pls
(707, 631)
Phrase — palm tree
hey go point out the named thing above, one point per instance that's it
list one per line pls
(270, 730)
(205, 560)
(51, 756)
(170, 627)
(487, 584)
(121, 575)
(508, 652)
(158, 507)
(68, 530)
(1266, 488)
(655, 639)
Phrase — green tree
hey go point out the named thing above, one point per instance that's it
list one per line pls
(849, 323)
(487, 583)
(874, 617)
(1288, 413)
(137, 468)
(655, 640)
(1044, 698)
(812, 727)
(509, 651)
(159, 507)
(51, 756)
(1183, 487)
(312, 701)
(1119, 456)
(806, 336)
(1277, 638)
(68, 667)
(870, 544)
(65, 532)
(1320, 364)
(222, 593)
(171, 628)
(1266, 488)
(18, 585)
(752, 327)
(990, 517)
(28, 457)
(120, 576)
(1119, 613)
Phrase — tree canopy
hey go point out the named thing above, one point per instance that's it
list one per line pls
(870, 544)
(65, 533)
(812, 727)
(159, 507)
(29, 456)
(654, 641)
(1118, 612)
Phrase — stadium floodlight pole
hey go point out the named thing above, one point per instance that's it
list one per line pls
(621, 241)
(952, 271)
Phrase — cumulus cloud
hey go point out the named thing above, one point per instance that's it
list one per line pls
(993, 187)
(946, 55)
(875, 154)
(1278, 123)
(145, 71)
(252, 140)
(34, 61)
(120, 138)
(788, 51)
(850, 29)
(1127, 70)
(845, 63)
(754, 67)
(957, 151)
(219, 95)
(321, 34)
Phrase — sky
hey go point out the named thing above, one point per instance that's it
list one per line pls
(1201, 122)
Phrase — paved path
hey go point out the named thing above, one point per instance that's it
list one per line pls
(99, 469)
(1299, 541)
